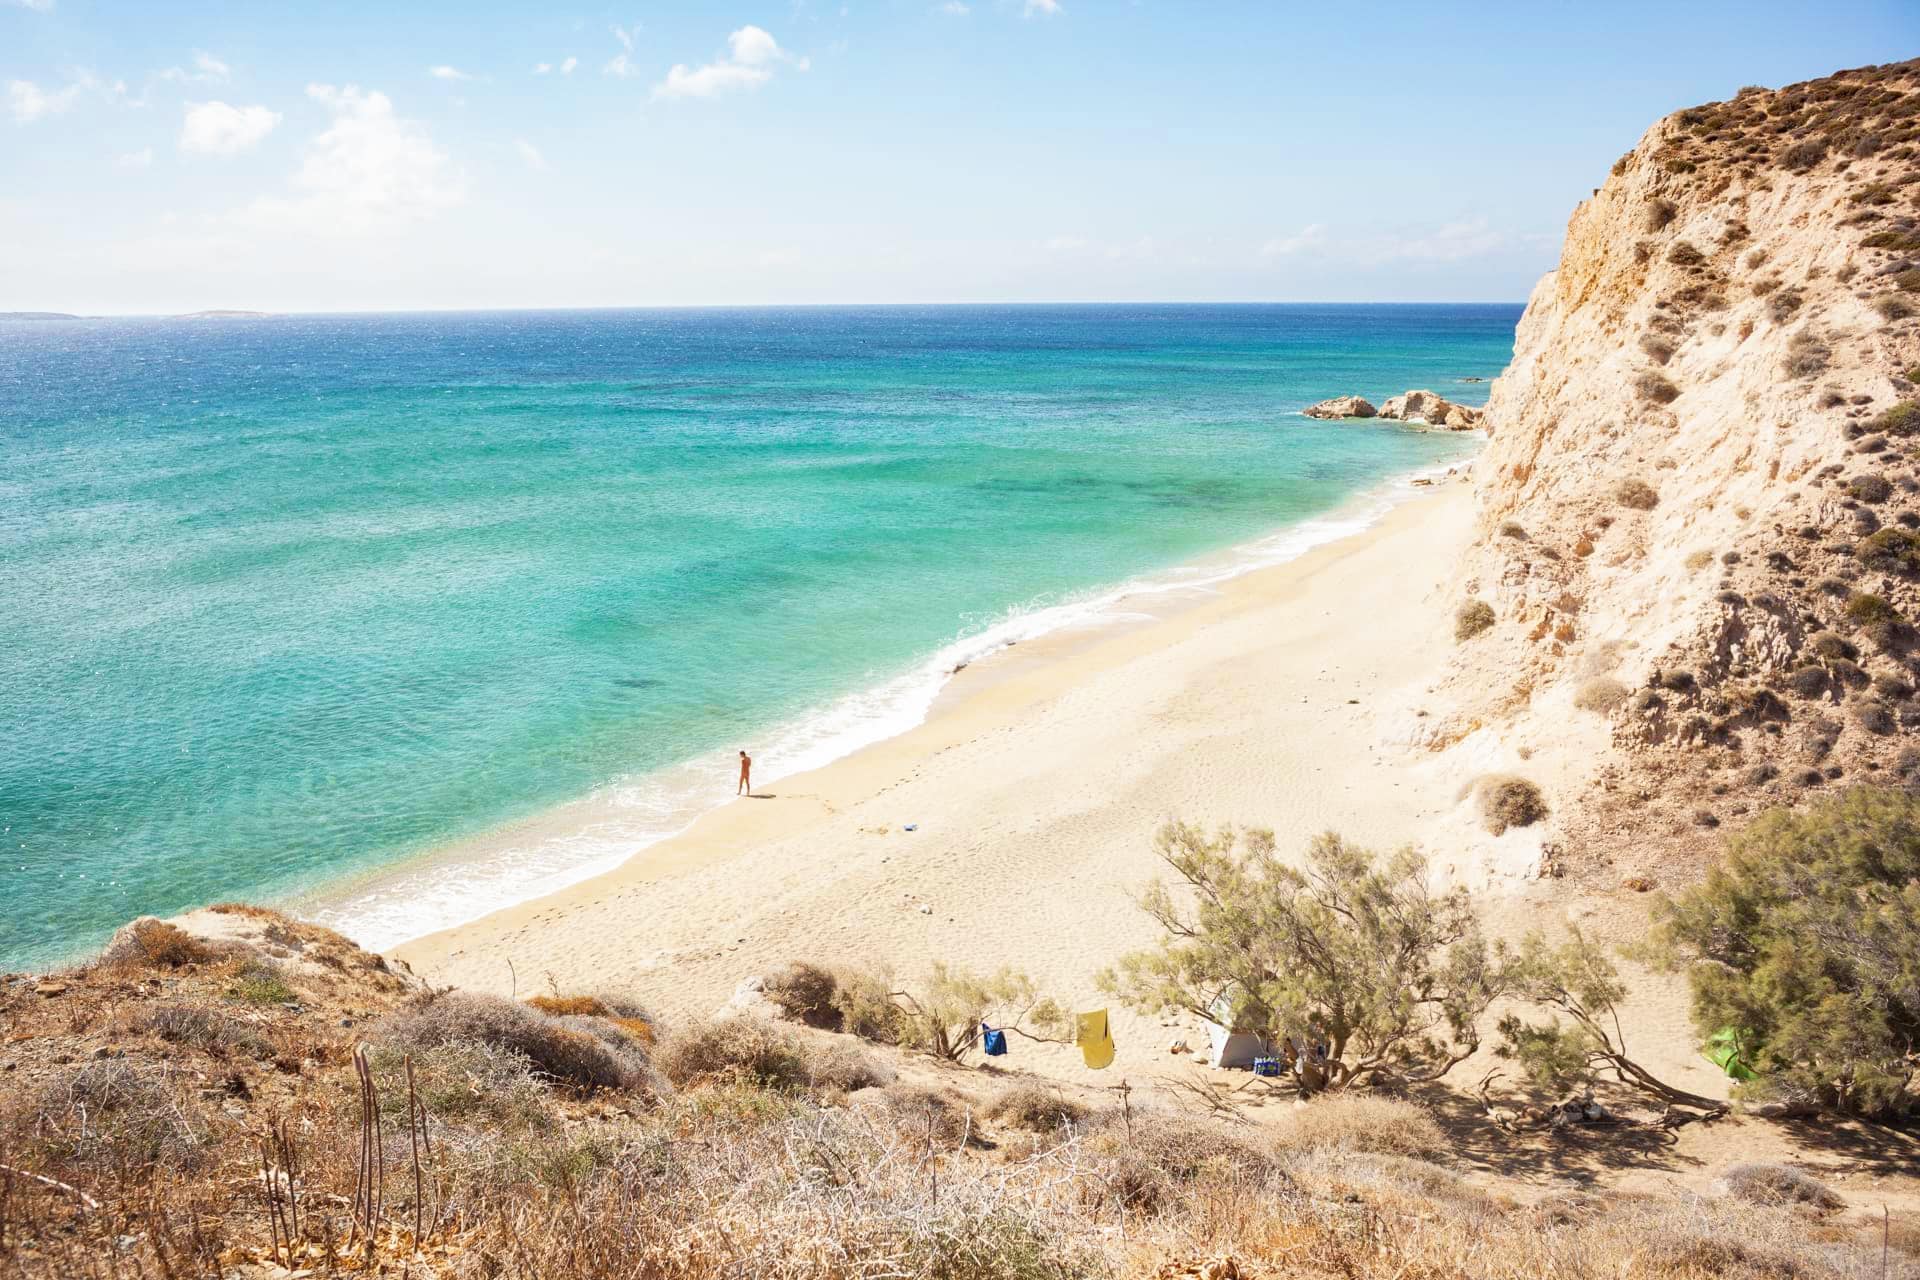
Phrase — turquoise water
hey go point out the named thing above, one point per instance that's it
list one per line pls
(287, 603)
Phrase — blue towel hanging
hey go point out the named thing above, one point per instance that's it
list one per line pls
(994, 1042)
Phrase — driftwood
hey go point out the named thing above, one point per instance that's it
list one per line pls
(54, 1183)
(1582, 1112)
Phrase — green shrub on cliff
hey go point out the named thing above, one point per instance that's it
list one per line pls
(1806, 940)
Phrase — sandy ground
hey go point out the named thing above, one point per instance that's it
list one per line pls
(1299, 698)
(1283, 698)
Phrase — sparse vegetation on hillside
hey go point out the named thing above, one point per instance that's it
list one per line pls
(1473, 617)
(1637, 494)
(1507, 801)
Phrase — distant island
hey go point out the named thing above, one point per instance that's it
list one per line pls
(224, 315)
(35, 315)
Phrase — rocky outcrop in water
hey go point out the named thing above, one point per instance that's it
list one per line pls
(1428, 408)
(1341, 407)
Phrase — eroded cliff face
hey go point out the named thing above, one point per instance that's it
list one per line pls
(1698, 505)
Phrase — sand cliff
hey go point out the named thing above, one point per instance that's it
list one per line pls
(1694, 512)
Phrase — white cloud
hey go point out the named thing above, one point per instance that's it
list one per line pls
(444, 72)
(1066, 244)
(369, 169)
(621, 64)
(541, 68)
(956, 8)
(216, 129)
(38, 6)
(141, 159)
(1045, 8)
(752, 55)
(566, 68)
(1311, 236)
(530, 153)
(1451, 243)
(207, 69)
(29, 102)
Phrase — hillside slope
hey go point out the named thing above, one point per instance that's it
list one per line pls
(1698, 507)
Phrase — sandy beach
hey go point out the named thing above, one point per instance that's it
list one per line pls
(1034, 790)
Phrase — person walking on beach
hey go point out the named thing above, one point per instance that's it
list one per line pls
(746, 775)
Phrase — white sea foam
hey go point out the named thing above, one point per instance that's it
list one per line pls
(583, 839)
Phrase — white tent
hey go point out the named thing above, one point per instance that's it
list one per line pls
(1230, 1048)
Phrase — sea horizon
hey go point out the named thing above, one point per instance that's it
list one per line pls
(379, 770)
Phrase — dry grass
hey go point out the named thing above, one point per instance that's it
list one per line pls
(1778, 1184)
(1508, 801)
(806, 993)
(1035, 1105)
(751, 1050)
(148, 943)
(1600, 694)
(1474, 617)
(1656, 387)
(1380, 1126)
(582, 1053)
(1637, 494)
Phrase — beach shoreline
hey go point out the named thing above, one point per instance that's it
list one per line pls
(390, 906)
(1286, 697)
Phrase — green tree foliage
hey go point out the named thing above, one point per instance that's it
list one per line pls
(1578, 981)
(943, 1016)
(1806, 939)
(1348, 951)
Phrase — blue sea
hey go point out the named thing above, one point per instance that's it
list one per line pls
(401, 618)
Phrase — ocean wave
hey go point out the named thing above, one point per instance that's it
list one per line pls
(580, 840)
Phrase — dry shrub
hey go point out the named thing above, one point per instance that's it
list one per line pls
(1870, 488)
(750, 1049)
(805, 993)
(1601, 694)
(258, 980)
(116, 1113)
(1385, 1180)
(1778, 1184)
(1683, 254)
(466, 1081)
(148, 943)
(1901, 420)
(1509, 801)
(1656, 387)
(623, 1012)
(208, 1030)
(918, 1112)
(1474, 617)
(1355, 1122)
(567, 1051)
(1660, 212)
(1807, 356)
(1036, 1106)
(1658, 348)
(1636, 493)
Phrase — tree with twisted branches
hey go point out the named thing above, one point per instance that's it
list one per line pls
(1348, 950)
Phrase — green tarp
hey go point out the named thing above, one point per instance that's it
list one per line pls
(1725, 1051)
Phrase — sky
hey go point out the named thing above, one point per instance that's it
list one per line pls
(164, 156)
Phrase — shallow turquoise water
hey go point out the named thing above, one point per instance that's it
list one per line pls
(287, 601)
